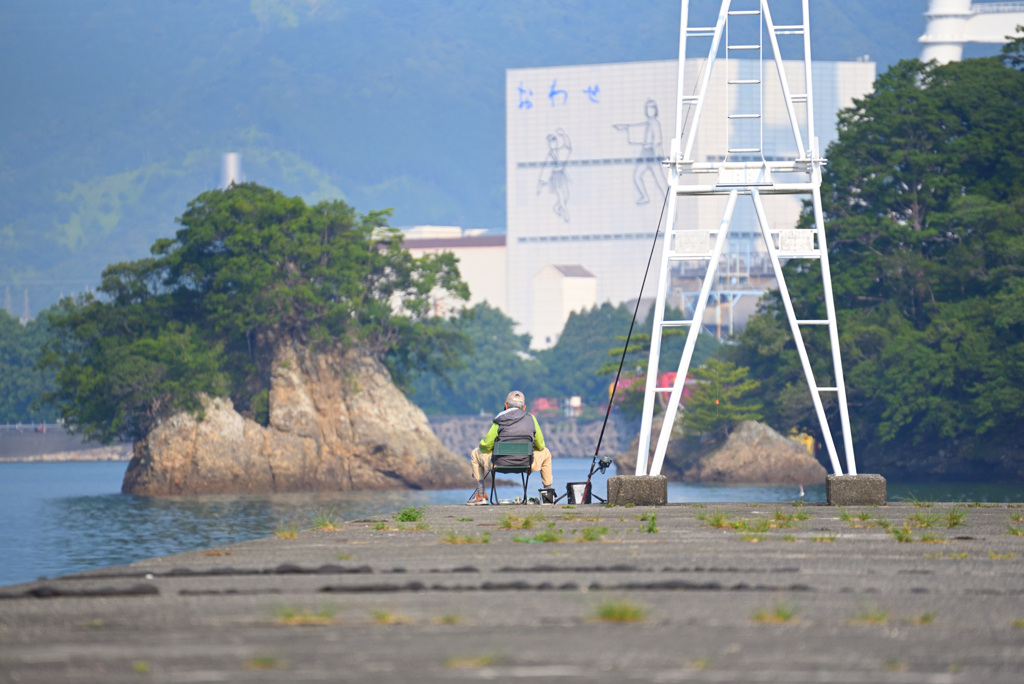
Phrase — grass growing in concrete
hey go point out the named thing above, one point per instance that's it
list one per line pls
(923, 619)
(448, 619)
(592, 534)
(1015, 531)
(699, 664)
(456, 538)
(929, 538)
(922, 519)
(824, 538)
(513, 521)
(760, 525)
(620, 611)
(574, 517)
(344, 556)
(283, 531)
(870, 615)
(919, 504)
(288, 615)
(652, 524)
(903, 534)
(324, 520)
(955, 516)
(782, 612)
(1017, 517)
(780, 519)
(141, 666)
(999, 556)
(410, 514)
(464, 663)
(264, 663)
(545, 536)
(716, 519)
(384, 526)
(1019, 624)
(383, 616)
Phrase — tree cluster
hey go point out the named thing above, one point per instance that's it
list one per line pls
(582, 363)
(249, 270)
(925, 225)
(21, 384)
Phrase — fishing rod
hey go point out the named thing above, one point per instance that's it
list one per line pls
(602, 464)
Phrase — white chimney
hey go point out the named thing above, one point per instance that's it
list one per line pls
(230, 170)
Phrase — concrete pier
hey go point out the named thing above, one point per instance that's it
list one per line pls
(704, 593)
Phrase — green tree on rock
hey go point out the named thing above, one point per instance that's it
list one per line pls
(721, 398)
(250, 270)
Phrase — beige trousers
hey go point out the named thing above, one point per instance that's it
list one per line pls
(541, 462)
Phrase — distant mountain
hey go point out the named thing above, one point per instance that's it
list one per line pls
(116, 112)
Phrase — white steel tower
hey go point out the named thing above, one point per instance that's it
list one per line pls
(743, 173)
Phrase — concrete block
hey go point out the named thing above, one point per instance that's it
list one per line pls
(639, 490)
(855, 490)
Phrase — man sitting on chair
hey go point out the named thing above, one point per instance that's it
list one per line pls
(513, 424)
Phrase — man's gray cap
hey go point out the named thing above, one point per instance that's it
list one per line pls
(516, 398)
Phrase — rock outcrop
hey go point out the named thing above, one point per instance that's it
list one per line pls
(753, 454)
(337, 422)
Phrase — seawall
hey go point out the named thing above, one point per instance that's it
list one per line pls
(706, 593)
(49, 443)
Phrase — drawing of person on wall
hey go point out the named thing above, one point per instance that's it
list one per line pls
(647, 135)
(552, 174)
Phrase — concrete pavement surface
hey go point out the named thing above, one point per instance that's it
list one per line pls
(679, 593)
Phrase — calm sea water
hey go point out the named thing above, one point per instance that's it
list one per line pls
(60, 518)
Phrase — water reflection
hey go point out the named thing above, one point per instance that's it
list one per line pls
(95, 531)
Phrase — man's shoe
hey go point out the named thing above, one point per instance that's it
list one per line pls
(478, 499)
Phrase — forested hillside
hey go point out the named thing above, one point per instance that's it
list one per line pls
(116, 112)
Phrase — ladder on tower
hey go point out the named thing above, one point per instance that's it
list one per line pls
(743, 172)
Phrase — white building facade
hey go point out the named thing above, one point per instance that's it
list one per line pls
(584, 181)
(483, 263)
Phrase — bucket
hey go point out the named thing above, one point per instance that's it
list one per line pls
(576, 492)
(547, 495)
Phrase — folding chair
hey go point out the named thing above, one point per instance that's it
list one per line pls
(511, 457)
